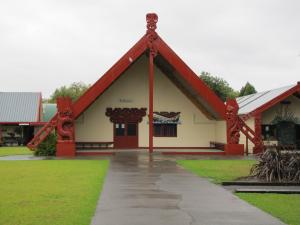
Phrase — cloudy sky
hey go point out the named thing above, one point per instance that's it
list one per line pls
(47, 44)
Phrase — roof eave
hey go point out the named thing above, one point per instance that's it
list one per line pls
(112, 74)
(191, 77)
(273, 102)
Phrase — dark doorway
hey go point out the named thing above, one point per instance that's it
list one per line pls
(126, 135)
(286, 133)
(28, 133)
(298, 136)
(126, 125)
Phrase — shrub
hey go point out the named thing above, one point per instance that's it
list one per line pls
(275, 165)
(47, 147)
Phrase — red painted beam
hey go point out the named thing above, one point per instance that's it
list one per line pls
(191, 78)
(111, 75)
(151, 86)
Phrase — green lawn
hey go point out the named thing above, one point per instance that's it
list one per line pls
(218, 170)
(5, 151)
(283, 206)
(58, 192)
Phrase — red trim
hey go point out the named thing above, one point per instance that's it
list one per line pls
(65, 127)
(153, 42)
(234, 149)
(126, 115)
(95, 148)
(93, 153)
(109, 77)
(179, 148)
(126, 141)
(193, 153)
(273, 102)
(139, 48)
(151, 86)
(192, 79)
(65, 148)
(165, 148)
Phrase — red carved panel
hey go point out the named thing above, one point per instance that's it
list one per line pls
(168, 114)
(232, 120)
(65, 119)
(126, 115)
(151, 34)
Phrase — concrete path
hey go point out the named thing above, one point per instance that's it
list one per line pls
(144, 190)
(264, 189)
(22, 157)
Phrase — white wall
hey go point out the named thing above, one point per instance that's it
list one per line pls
(195, 129)
(270, 114)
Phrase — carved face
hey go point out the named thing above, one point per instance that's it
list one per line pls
(151, 19)
(66, 112)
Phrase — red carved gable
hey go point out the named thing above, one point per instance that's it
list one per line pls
(123, 115)
(151, 40)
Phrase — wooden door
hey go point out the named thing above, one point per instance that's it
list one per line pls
(126, 135)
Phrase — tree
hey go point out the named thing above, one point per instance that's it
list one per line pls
(219, 86)
(75, 90)
(248, 89)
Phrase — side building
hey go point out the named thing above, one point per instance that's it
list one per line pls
(22, 114)
(274, 115)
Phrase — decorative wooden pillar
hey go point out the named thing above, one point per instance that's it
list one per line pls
(233, 129)
(257, 140)
(65, 127)
(151, 19)
(1, 135)
(151, 87)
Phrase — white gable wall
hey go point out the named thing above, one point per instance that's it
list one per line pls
(131, 90)
(270, 114)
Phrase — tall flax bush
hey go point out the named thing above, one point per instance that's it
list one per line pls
(277, 166)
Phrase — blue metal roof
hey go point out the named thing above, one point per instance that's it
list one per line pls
(19, 106)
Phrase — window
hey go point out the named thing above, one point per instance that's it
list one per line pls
(165, 130)
(131, 129)
(269, 132)
(126, 129)
(120, 129)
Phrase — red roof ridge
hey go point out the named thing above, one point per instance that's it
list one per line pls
(156, 42)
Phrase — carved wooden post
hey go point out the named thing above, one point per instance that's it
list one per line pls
(151, 19)
(233, 129)
(0, 135)
(257, 140)
(65, 127)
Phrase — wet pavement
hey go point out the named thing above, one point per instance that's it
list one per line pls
(263, 189)
(145, 190)
(22, 157)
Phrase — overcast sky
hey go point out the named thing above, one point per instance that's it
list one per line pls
(47, 44)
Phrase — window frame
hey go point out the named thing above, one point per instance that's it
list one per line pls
(166, 130)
